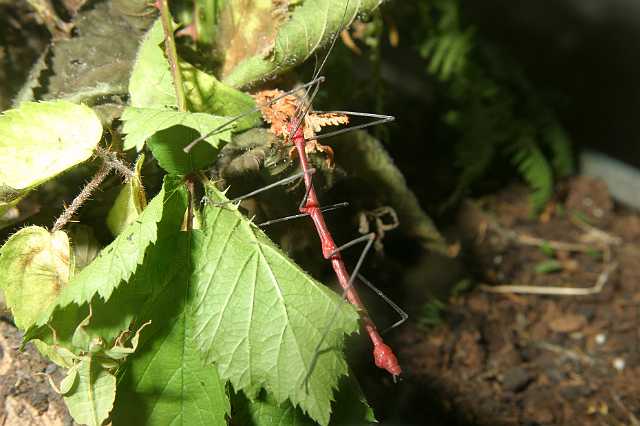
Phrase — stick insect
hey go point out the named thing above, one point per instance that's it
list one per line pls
(290, 118)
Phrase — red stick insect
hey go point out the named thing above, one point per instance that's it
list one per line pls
(294, 126)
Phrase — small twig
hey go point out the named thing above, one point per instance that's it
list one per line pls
(632, 418)
(191, 195)
(115, 163)
(82, 197)
(577, 356)
(595, 234)
(172, 53)
(555, 291)
(529, 240)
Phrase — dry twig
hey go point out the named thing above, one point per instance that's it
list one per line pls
(555, 291)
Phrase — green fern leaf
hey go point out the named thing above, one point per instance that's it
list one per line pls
(534, 169)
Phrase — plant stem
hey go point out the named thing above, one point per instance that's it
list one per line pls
(112, 160)
(172, 53)
(83, 196)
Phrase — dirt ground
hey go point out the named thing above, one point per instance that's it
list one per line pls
(26, 398)
(517, 358)
(511, 358)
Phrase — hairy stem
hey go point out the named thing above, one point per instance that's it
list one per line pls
(112, 160)
(82, 197)
(172, 53)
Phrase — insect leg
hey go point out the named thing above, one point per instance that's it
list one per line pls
(266, 188)
(403, 315)
(369, 238)
(303, 109)
(296, 216)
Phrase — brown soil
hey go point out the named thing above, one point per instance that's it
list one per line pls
(521, 359)
(26, 398)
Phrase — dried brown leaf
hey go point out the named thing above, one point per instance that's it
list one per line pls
(248, 28)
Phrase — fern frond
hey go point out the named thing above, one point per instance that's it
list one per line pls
(555, 137)
(534, 168)
(448, 45)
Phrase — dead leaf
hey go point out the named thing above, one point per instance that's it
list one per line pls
(248, 28)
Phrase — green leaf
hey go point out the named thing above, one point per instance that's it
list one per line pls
(91, 397)
(559, 142)
(129, 203)
(39, 140)
(310, 27)
(167, 382)
(35, 266)
(350, 408)
(142, 123)
(265, 411)
(151, 84)
(122, 257)
(205, 93)
(548, 266)
(259, 317)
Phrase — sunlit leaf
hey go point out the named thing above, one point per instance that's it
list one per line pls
(35, 267)
(151, 84)
(142, 123)
(259, 317)
(166, 381)
(39, 140)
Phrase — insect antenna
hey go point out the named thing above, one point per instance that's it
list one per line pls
(379, 119)
(300, 113)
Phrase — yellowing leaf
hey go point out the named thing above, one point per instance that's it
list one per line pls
(120, 259)
(129, 203)
(34, 267)
(39, 140)
(246, 29)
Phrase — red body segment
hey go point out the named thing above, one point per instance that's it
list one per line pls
(382, 353)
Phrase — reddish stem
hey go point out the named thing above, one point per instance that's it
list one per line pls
(382, 354)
